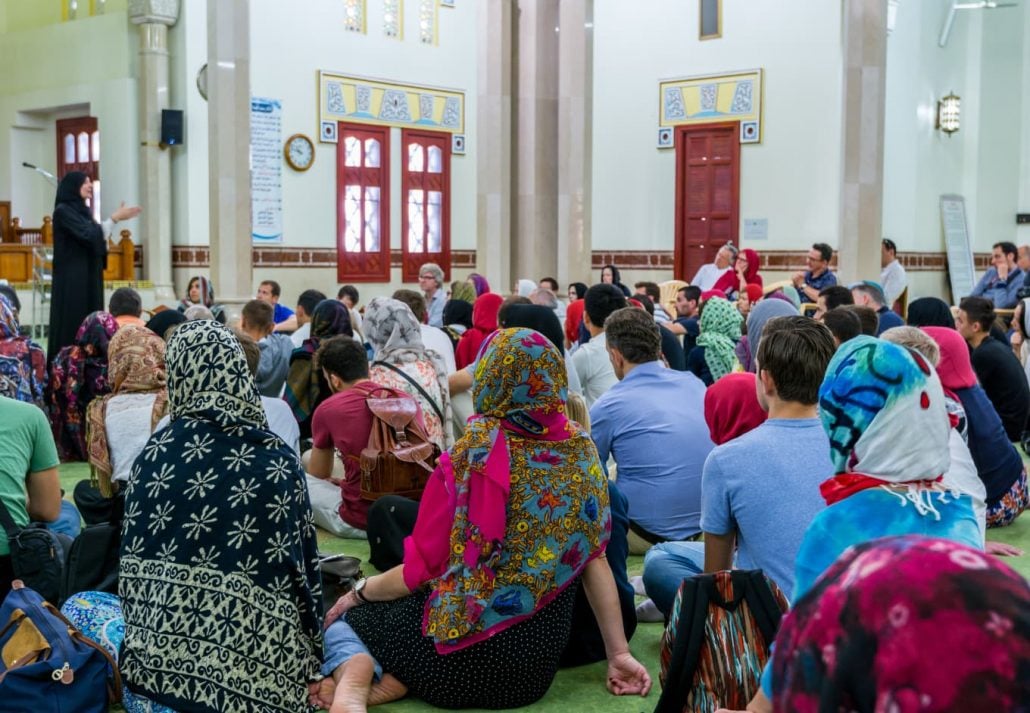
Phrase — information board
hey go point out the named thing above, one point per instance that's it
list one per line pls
(961, 271)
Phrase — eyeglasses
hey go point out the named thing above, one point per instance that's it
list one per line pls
(426, 277)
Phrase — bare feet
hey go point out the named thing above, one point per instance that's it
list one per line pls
(350, 690)
(352, 681)
(1001, 549)
(387, 690)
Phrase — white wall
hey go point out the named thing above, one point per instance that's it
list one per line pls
(792, 178)
(68, 69)
(986, 62)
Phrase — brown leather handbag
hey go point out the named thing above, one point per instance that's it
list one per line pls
(399, 457)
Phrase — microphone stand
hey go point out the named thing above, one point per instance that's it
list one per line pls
(43, 172)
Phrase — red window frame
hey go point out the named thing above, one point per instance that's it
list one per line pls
(364, 265)
(87, 161)
(413, 179)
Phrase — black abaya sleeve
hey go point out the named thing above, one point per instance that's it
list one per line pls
(82, 229)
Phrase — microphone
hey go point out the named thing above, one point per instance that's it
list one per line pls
(42, 171)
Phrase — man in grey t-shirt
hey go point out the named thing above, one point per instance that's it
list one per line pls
(760, 491)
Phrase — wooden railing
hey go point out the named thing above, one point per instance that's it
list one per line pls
(16, 257)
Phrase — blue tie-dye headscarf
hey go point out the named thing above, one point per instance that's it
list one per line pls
(882, 405)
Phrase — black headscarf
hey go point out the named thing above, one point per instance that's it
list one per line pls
(69, 191)
(930, 312)
(580, 289)
(457, 312)
(161, 322)
(537, 317)
(616, 278)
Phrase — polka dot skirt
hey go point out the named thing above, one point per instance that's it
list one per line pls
(511, 669)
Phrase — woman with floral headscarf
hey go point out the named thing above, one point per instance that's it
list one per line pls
(401, 361)
(480, 610)
(907, 624)
(714, 354)
(22, 361)
(885, 485)
(220, 599)
(118, 424)
(78, 375)
(306, 387)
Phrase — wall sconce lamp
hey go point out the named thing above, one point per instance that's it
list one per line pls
(948, 111)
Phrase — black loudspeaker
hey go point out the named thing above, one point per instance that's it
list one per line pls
(171, 127)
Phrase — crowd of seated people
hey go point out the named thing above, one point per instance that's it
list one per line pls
(724, 430)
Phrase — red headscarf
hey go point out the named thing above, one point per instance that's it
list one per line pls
(955, 367)
(573, 318)
(754, 293)
(729, 282)
(484, 323)
(732, 408)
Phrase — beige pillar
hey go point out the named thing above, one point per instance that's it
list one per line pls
(535, 230)
(228, 61)
(494, 143)
(575, 139)
(154, 17)
(864, 93)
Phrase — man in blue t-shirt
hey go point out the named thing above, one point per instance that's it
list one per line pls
(269, 291)
(760, 491)
(818, 275)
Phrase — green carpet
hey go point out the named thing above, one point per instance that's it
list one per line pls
(583, 688)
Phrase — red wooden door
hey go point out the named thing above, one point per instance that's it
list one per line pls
(707, 194)
(425, 202)
(363, 204)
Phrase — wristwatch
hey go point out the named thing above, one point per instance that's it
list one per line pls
(358, 587)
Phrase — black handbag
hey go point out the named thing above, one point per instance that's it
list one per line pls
(338, 573)
(37, 555)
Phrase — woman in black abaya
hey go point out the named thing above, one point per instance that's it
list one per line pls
(80, 255)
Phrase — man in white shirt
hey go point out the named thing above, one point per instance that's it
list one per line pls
(893, 279)
(306, 304)
(708, 274)
(432, 338)
(593, 367)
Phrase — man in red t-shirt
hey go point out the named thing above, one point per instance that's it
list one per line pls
(341, 425)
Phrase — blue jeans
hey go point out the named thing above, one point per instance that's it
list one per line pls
(666, 565)
(341, 643)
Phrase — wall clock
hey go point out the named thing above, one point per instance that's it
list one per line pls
(299, 152)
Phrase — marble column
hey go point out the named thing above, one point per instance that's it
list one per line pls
(494, 142)
(154, 17)
(535, 230)
(575, 140)
(228, 53)
(864, 95)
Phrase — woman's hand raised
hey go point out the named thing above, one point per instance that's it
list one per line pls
(126, 212)
(627, 676)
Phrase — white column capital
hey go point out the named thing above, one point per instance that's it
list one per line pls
(151, 12)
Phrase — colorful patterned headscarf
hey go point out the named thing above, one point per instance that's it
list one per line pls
(77, 376)
(532, 500)
(907, 624)
(22, 361)
(873, 393)
(217, 514)
(720, 331)
(304, 383)
(396, 338)
(136, 365)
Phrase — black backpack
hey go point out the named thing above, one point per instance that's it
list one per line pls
(37, 555)
(92, 563)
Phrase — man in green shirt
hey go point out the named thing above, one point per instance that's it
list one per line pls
(29, 487)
